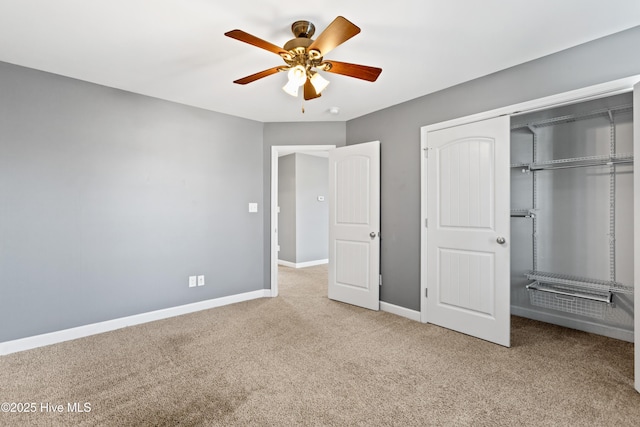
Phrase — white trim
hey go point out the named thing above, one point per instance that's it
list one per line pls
(28, 343)
(400, 311)
(567, 322)
(423, 228)
(302, 264)
(579, 95)
(274, 202)
(274, 222)
(636, 233)
(571, 97)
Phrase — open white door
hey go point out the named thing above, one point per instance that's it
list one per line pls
(468, 277)
(636, 227)
(354, 224)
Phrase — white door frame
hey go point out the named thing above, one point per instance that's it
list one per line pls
(636, 234)
(275, 151)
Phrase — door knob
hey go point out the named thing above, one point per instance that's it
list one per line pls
(372, 234)
(501, 240)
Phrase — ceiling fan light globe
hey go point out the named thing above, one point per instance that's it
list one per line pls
(297, 75)
(319, 83)
(291, 88)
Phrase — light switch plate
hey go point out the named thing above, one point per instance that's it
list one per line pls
(200, 280)
(253, 207)
(192, 281)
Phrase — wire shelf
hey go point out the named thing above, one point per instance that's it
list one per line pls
(572, 294)
(575, 117)
(579, 283)
(583, 304)
(576, 162)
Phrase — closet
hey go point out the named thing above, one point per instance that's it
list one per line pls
(533, 210)
(572, 215)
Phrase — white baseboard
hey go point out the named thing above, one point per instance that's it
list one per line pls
(568, 322)
(400, 311)
(303, 264)
(28, 343)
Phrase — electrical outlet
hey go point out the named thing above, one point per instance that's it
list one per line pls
(193, 281)
(200, 280)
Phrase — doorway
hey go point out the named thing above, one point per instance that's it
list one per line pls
(276, 153)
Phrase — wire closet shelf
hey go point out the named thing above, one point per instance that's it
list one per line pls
(573, 294)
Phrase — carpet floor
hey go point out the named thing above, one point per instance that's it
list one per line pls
(302, 360)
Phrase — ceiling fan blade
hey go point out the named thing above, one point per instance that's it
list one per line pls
(256, 76)
(363, 72)
(255, 41)
(338, 32)
(310, 91)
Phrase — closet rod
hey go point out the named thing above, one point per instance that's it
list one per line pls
(581, 165)
(607, 160)
(522, 213)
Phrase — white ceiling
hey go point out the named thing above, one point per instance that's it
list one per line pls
(176, 50)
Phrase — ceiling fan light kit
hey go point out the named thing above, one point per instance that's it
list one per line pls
(291, 88)
(319, 82)
(304, 57)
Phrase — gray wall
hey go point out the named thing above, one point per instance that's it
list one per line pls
(287, 203)
(294, 133)
(312, 215)
(110, 200)
(398, 129)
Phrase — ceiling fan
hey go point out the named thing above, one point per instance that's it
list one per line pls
(304, 57)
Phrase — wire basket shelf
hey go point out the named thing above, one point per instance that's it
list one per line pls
(596, 306)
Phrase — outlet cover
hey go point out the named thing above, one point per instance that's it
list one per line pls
(200, 280)
(192, 281)
(253, 207)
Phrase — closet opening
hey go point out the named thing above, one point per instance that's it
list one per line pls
(572, 216)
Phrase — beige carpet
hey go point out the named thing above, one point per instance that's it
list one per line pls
(301, 359)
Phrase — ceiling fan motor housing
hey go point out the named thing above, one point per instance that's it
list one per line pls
(304, 29)
(297, 48)
(300, 43)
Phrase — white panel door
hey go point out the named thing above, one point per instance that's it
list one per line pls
(468, 277)
(636, 226)
(354, 224)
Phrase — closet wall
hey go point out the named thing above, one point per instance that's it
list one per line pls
(572, 216)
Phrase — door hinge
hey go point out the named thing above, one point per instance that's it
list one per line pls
(426, 152)
(426, 223)
(426, 292)
(380, 279)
